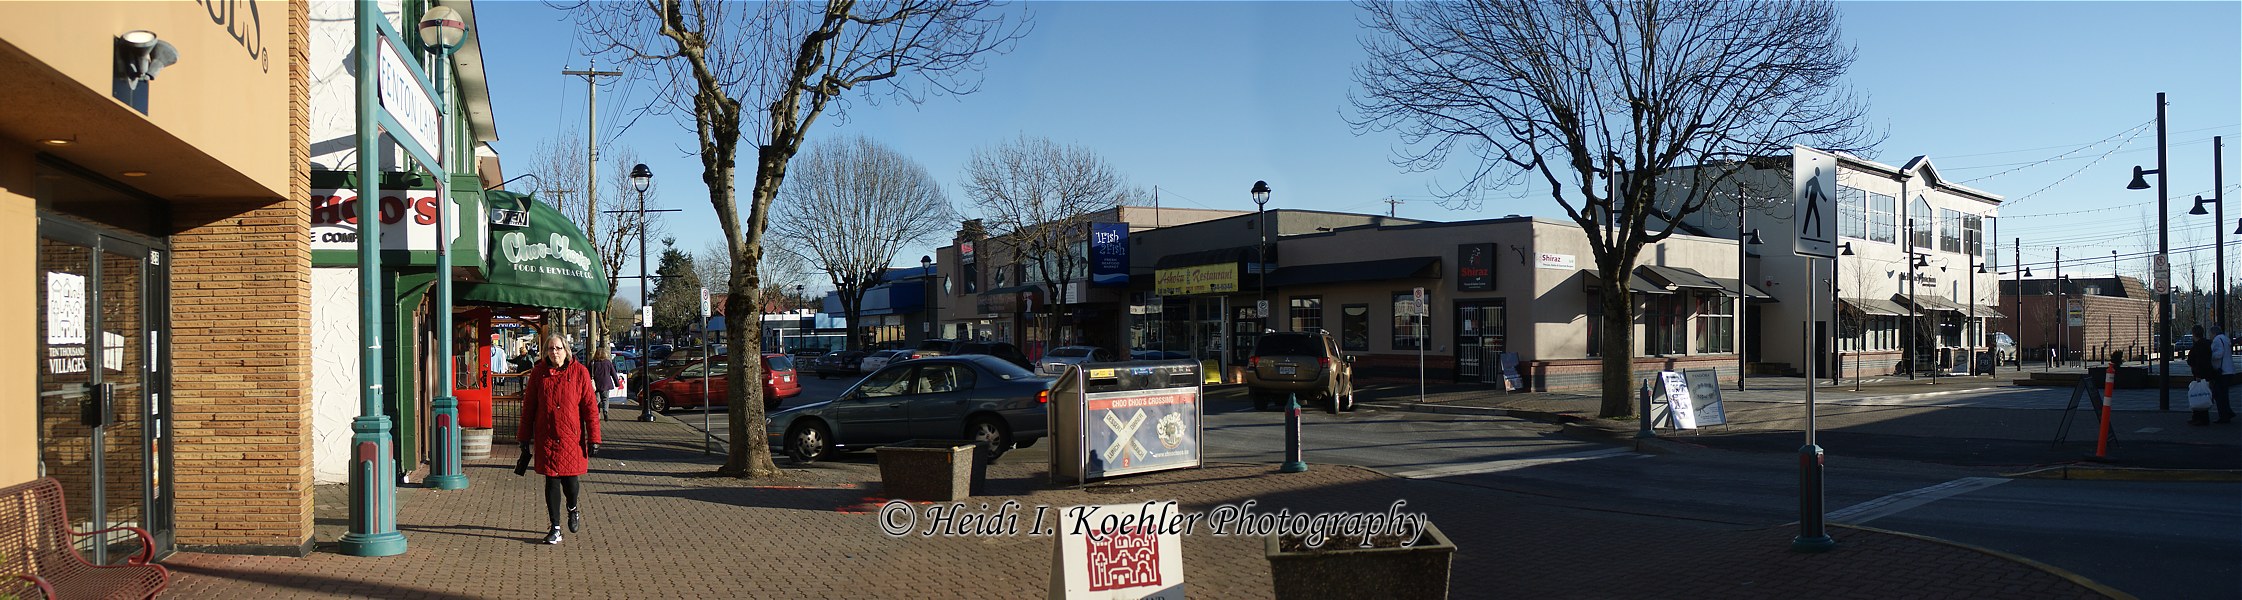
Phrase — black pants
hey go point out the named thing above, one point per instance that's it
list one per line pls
(2219, 395)
(555, 487)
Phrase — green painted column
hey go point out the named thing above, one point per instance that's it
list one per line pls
(444, 472)
(373, 468)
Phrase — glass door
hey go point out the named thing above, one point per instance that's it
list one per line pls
(101, 402)
(1479, 340)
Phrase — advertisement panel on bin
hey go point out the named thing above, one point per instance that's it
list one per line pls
(1141, 430)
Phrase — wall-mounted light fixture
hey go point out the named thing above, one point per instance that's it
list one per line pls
(140, 56)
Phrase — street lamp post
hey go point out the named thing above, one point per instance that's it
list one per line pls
(441, 31)
(933, 324)
(2163, 254)
(1743, 294)
(1261, 251)
(642, 178)
(2218, 220)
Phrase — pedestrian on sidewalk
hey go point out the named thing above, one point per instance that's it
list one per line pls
(603, 377)
(2222, 353)
(2201, 365)
(559, 428)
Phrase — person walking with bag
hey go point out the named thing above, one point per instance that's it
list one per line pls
(560, 429)
(2200, 363)
(603, 378)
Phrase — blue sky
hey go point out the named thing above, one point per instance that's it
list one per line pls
(1202, 99)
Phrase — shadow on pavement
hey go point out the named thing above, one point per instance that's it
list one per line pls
(320, 584)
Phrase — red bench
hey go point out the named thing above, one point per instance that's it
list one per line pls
(38, 556)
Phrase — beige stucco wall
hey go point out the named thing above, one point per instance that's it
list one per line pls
(19, 325)
(226, 97)
(1560, 300)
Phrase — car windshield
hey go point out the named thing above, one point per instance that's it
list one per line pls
(1004, 370)
(936, 345)
(1069, 352)
(1287, 345)
(779, 363)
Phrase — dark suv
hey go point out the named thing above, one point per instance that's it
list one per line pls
(1308, 364)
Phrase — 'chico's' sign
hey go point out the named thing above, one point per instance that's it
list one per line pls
(408, 219)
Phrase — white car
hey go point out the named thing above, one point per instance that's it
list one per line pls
(873, 362)
(1056, 361)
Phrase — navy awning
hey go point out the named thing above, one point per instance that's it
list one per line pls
(1415, 267)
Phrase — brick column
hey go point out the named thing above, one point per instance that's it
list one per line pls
(241, 354)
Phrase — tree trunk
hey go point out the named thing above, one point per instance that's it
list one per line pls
(1618, 344)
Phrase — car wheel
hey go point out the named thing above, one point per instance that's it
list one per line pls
(990, 434)
(659, 400)
(808, 442)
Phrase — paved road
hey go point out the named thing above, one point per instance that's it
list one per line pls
(2156, 540)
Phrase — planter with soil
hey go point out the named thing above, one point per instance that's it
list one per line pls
(1341, 568)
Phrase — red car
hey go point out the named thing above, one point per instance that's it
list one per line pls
(686, 388)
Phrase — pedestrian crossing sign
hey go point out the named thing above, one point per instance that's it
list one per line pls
(1813, 188)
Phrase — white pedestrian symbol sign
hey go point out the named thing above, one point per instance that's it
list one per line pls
(1124, 438)
(1813, 177)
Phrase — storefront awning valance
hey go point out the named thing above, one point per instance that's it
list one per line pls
(1987, 312)
(1728, 288)
(545, 263)
(1932, 304)
(1873, 306)
(1637, 284)
(1415, 267)
(1677, 278)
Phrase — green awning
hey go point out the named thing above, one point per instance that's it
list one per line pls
(547, 263)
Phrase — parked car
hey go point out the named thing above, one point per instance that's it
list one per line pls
(686, 388)
(873, 362)
(938, 347)
(660, 351)
(846, 363)
(1309, 364)
(803, 354)
(1056, 361)
(995, 403)
(1003, 350)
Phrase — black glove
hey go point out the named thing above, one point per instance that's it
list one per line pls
(593, 451)
(521, 465)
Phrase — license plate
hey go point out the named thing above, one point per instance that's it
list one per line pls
(1286, 370)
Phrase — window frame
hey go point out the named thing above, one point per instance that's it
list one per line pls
(1715, 317)
(1294, 317)
(1362, 326)
(1949, 230)
(1919, 236)
(1881, 221)
(1852, 211)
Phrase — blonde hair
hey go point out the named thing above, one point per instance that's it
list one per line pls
(602, 354)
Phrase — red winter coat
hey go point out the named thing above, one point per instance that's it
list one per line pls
(560, 415)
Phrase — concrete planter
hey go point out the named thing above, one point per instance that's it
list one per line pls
(931, 470)
(1341, 569)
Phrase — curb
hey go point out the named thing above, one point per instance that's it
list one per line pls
(2102, 473)
(2081, 580)
(1569, 424)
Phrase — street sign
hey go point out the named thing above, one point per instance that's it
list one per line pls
(405, 95)
(2074, 312)
(2163, 275)
(1813, 185)
(646, 316)
(1261, 309)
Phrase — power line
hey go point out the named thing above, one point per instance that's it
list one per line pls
(2135, 131)
(1953, 156)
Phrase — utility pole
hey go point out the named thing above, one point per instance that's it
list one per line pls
(1392, 204)
(598, 333)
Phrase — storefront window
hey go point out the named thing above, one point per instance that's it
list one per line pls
(1307, 313)
(1667, 324)
(1408, 323)
(1716, 324)
(1354, 328)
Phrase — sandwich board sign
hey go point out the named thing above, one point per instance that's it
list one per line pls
(1126, 552)
(1814, 189)
(1679, 408)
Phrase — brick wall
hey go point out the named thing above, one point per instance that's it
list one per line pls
(241, 355)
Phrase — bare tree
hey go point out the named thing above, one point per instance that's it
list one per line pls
(559, 165)
(769, 70)
(621, 314)
(849, 208)
(1599, 99)
(1042, 196)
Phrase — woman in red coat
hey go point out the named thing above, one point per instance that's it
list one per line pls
(560, 422)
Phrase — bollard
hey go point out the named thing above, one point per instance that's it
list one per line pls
(1645, 432)
(1811, 536)
(1292, 458)
(2109, 394)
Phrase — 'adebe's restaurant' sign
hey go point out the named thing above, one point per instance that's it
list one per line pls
(1202, 279)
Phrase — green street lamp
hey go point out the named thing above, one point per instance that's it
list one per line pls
(441, 31)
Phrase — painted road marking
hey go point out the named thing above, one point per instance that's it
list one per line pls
(1497, 466)
(1901, 502)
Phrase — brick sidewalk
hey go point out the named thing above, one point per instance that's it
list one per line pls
(659, 525)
